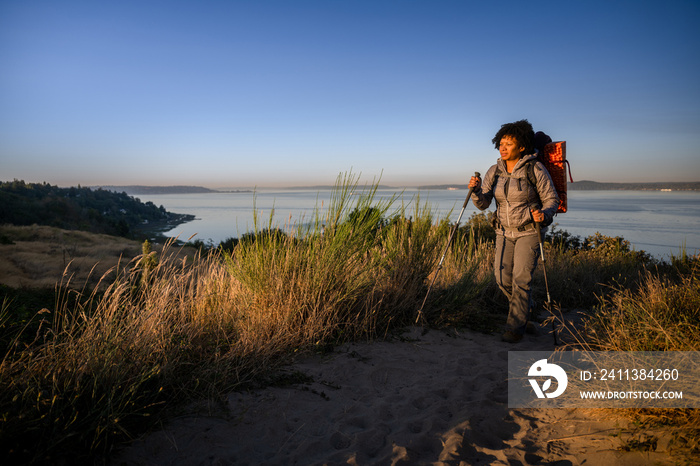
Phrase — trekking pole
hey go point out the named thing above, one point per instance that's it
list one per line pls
(449, 242)
(546, 284)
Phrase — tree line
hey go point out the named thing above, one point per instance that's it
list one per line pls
(80, 208)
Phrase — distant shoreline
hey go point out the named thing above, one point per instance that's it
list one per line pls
(596, 186)
(135, 190)
(584, 185)
(660, 186)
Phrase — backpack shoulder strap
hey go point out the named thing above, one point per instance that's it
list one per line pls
(531, 178)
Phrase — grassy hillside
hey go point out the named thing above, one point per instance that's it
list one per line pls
(37, 256)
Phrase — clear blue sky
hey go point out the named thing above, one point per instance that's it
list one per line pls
(293, 92)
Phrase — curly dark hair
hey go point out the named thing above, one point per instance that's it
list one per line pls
(520, 130)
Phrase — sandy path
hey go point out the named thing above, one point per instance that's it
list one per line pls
(437, 398)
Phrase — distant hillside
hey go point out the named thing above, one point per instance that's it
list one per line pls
(586, 185)
(139, 189)
(96, 211)
(596, 186)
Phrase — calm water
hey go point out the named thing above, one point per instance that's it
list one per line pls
(657, 222)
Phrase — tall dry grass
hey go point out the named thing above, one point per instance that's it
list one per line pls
(165, 329)
(582, 271)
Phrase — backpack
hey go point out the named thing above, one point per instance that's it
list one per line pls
(553, 157)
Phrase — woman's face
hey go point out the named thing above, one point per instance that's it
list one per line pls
(510, 149)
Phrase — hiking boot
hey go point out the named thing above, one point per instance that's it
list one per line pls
(511, 337)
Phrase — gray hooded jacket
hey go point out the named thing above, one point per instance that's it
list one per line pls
(515, 196)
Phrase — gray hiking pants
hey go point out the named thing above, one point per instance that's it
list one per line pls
(514, 266)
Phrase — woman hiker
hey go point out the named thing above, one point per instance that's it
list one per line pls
(522, 200)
